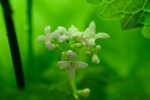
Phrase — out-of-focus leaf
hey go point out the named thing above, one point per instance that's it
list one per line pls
(146, 31)
(94, 2)
(37, 94)
(132, 20)
(134, 13)
(119, 75)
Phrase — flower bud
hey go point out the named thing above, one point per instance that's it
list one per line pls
(56, 46)
(69, 53)
(76, 45)
(98, 47)
(88, 53)
(95, 59)
(85, 92)
(63, 54)
(63, 68)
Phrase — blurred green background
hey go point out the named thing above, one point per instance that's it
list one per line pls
(123, 73)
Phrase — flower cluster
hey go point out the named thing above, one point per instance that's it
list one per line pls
(72, 63)
(74, 39)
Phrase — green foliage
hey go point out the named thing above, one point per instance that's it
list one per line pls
(37, 94)
(134, 13)
(123, 73)
(146, 31)
(94, 2)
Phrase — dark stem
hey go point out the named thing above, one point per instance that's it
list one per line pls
(14, 49)
(30, 46)
(29, 11)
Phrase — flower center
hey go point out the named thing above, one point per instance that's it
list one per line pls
(72, 64)
(47, 38)
(92, 35)
(83, 39)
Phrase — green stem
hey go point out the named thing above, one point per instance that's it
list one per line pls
(29, 11)
(31, 60)
(73, 86)
(30, 47)
(66, 47)
(14, 49)
(60, 48)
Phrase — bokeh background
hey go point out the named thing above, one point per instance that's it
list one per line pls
(122, 74)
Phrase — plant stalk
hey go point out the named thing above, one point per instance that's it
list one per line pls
(73, 86)
(14, 49)
(29, 12)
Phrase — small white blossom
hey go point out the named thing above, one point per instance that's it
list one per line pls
(89, 35)
(72, 29)
(66, 34)
(72, 63)
(47, 38)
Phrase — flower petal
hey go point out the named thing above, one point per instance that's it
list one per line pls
(77, 34)
(47, 30)
(73, 57)
(73, 29)
(62, 29)
(101, 35)
(64, 64)
(90, 42)
(71, 71)
(49, 45)
(62, 38)
(55, 34)
(86, 33)
(41, 38)
(80, 64)
(83, 42)
(69, 53)
(92, 27)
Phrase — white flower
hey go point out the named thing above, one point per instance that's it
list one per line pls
(72, 63)
(66, 34)
(72, 29)
(89, 36)
(47, 38)
(95, 59)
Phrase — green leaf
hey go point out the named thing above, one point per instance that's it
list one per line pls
(134, 13)
(146, 31)
(94, 2)
(124, 68)
(37, 94)
(132, 20)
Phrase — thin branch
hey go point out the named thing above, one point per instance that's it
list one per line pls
(14, 49)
